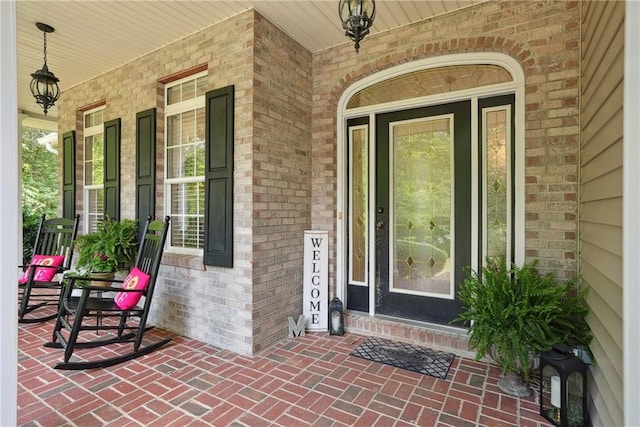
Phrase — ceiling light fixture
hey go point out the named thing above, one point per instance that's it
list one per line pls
(357, 17)
(44, 84)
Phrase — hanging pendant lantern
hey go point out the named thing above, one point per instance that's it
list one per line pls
(44, 84)
(357, 17)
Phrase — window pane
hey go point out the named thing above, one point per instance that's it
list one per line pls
(93, 119)
(95, 209)
(88, 148)
(88, 173)
(188, 127)
(97, 149)
(187, 214)
(173, 162)
(496, 182)
(173, 94)
(93, 168)
(358, 205)
(201, 86)
(188, 90)
(173, 130)
(200, 124)
(200, 159)
(98, 117)
(430, 82)
(185, 144)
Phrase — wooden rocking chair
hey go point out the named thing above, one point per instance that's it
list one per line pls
(39, 285)
(123, 319)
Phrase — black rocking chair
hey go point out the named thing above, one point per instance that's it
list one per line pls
(94, 311)
(39, 285)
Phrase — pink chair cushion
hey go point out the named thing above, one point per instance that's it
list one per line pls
(43, 274)
(135, 280)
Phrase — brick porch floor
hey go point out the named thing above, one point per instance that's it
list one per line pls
(309, 380)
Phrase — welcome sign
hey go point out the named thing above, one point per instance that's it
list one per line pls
(316, 279)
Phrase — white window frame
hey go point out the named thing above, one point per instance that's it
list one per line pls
(87, 189)
(171, 110)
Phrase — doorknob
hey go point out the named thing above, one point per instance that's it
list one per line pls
(380, 225)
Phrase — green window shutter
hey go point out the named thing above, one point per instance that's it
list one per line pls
(69, 174)
(218, 179)
(112, 169)
(145, 167)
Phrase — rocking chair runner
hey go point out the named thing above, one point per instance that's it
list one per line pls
(52, 253)
(93, 311)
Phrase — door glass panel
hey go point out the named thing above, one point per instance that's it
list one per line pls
(421, 193)
(496, 182)
(359, 185)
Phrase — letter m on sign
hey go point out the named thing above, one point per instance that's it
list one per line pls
(296, 329)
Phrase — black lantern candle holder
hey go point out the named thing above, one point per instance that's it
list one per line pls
(336, 318)
(563, 388)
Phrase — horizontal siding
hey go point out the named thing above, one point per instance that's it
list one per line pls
(607, 186)
(605, 130)
(601, 211)
(604, 236)
(607, 263)
(603, 49)
(605, 286)
(607, 162)
(601, 184)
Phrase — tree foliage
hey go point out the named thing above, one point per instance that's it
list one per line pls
(39, 185)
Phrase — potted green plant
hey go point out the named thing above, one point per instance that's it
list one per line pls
(111, 248)
(515, 313)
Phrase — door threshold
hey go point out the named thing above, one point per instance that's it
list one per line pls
(428, 325)
(434, 336)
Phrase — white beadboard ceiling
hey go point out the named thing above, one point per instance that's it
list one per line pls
(92, 37)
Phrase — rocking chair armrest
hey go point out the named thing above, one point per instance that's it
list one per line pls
(24, 267)
(70, 281)
(109, 288)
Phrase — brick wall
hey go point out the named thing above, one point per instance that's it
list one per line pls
(281, 179)
(543, 36)
(211, 304)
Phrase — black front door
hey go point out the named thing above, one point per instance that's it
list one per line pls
(423, 210)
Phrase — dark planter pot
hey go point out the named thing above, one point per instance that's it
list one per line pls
(512, 382)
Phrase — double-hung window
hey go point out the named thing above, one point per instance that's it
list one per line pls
(93, 162)
(184, 162)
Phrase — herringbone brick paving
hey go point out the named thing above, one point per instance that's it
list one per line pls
(305, 381)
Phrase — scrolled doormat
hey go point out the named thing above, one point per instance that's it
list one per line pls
(406, 356)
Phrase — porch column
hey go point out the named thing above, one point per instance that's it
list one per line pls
(630, 224)
(10, 222)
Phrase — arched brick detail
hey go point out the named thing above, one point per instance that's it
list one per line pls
(498, 44)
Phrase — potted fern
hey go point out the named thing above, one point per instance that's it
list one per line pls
(515, 313)
(111, 248)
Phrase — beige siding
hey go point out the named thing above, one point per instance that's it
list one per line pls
(601, 200)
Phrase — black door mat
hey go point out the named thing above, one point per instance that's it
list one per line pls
(406, 356)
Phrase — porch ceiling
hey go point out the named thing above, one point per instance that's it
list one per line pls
(92, 37)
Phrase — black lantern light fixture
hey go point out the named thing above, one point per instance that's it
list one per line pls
(44, 84)
(357, 17)
(563, 388)
(336, 318)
